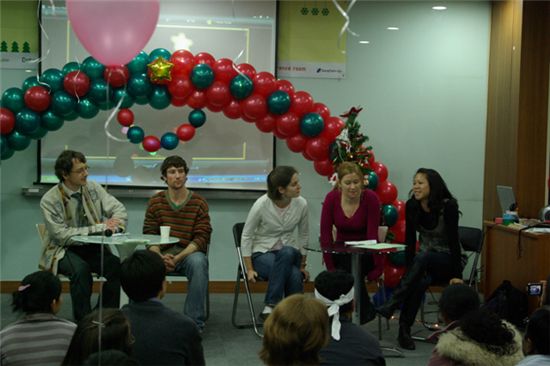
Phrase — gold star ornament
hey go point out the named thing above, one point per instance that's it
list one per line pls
(159, 70)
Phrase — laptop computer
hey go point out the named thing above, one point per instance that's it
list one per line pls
(506, 198)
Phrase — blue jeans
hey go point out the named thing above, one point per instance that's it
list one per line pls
(195, 268)
(282, 269)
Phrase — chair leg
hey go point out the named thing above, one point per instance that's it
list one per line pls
(253, 324)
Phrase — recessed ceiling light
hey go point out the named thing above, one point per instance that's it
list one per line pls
(392, 28)
(439, 7)
(364, 42)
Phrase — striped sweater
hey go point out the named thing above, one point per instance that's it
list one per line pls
(36, 339)
(190, 221)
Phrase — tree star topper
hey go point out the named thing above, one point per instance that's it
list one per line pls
(159, 70)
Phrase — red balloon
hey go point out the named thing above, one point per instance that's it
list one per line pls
(254, 107)
(224, 70)
(247, 69)
(392, 275)
(197, 99)
(185, 132)
(76, 83)
(306, 155)
(322, 110)
(218, 95)
(266, 124)
(324, 167)
(317, 148)
(331, 130)
(151, 143)
(7, 121)
(116, 76)
(247, 119)
(288, 125)
(380, 170)
(301, 103)
(387, 192)
(180, 87)
(37, 98)
(125, 117)
(205, 58)
(264, 83)
(400, 206)
(296, 143)
(286, 86)
(371, 159)
(213, 108)
(183, 61)
(178, 102)
(232, 110)
(398, 231)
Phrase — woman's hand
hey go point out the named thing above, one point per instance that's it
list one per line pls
(251, 275)
(305, 274)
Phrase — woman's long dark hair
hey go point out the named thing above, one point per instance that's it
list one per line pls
(439, 193)
(488, 330)
(36, 293)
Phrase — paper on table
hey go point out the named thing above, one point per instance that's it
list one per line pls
(361, 242)
(372, 244)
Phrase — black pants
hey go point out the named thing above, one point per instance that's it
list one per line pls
(78, 264)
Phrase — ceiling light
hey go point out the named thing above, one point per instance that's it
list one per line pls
(392, 28)
(364, 42)
(439, 7)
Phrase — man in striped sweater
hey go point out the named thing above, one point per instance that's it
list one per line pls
(186, 213)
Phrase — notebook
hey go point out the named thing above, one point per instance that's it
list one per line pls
(506, 198)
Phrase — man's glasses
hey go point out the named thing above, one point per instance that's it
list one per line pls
(81, 170)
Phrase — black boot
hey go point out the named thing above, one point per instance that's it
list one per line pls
(404, 338)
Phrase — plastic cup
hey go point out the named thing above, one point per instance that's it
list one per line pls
(164, 233)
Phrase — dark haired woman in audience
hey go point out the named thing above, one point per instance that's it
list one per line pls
(115, 334)
(269, 246)
(432, 211)
(39, 337)
(536, 341)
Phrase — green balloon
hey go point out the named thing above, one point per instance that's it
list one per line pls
(120, 93)
(63, 103)
(159, 98)
(27, 122)
(159, 52)
(30, 82)
(241, 87)
(93, 68)
(99, 91)
(18, 141)
(197, 118)
(139, 86)
(54, 79)
(202, 76)
(70, 67)
(398, 258)
(135, 134)
(278, 102)
(8, 153)
(4, 148)
(373, 180)
(71, 116)
(51, 121)
(139, 64)
(312, 124)
(390, 214)
(141, 100)
(86, 108)
(13, 99)
(169, 141)
(39, 133)
(105, 106)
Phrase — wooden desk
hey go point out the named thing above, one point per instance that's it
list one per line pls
(504, 259)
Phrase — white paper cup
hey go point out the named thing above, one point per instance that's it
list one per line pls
(164, 233)
(382, 232)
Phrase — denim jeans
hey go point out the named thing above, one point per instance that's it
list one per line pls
(282, 269)
(195, 268)
(78, 264)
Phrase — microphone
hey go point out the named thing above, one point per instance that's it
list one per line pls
(108, 233)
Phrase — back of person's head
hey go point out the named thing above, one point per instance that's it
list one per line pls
(438, 188)
(142, 275)
(279, 177)
(295, 332)
(336, 285)
(173, 161)
(110, 357)
(37, 293)
(537, 334)
(489, 331)
(347, 167)
(458, 300)
(64, 163)
(115, 334)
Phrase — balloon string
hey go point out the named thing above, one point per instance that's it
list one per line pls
(45, 34)
(345, 27)
(108, 121)
(235, 63)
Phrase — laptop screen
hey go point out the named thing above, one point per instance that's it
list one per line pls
(506, 198)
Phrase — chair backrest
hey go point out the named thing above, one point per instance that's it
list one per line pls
(470, 238)
(237, 232)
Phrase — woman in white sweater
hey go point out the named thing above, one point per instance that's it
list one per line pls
(270, 248)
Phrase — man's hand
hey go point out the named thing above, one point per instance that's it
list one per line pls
(251, 275)
(305, 274)
(112, 224)
(169, 262)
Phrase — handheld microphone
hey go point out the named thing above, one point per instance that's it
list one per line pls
(108, 233)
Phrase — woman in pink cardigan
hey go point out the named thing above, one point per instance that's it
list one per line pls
(355, 213)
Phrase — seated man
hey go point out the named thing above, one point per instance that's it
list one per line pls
(187, 215)
(76, 206)
(163, 336)
(349, 344)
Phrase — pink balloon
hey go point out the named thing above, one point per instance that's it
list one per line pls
(110, 30)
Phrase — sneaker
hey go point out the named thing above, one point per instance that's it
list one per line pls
(265, 313)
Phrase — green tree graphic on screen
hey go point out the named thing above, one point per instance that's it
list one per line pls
(4, 46)
(26, 47)
(14, 47)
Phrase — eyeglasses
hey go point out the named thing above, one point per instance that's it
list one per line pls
(81, 170)
(175, 171)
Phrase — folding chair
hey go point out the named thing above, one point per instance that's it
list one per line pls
(241, 275)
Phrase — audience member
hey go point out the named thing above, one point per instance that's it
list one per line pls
(115, 334)
(536, 341)
(270, 249)
(481, 339)
(433, 212)
(186, 213)
(162, 336)
(39, 337)
(77, 206)
(110, 357)
(349, 344)
(355, 213)
(295, 332)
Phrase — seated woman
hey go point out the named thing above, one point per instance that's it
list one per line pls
(433, 212)
(536, 341)
(39, 337)
(269, 246)
(355, 213)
